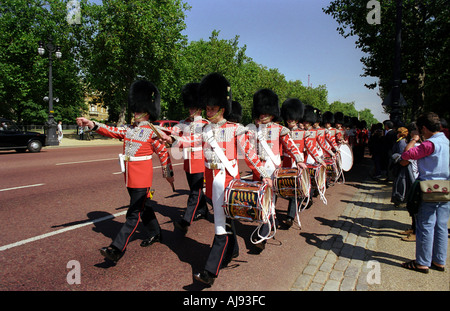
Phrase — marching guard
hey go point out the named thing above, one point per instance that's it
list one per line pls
(341, 136)
(332, 148)
(269, 138)
(193, 156)
(140, 143)
(292, 111)
(314, 158)
(221, 140)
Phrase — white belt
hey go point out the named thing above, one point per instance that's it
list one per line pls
(123, 158)
(134, 159)
(217, 166)
(192, 149)
(189, 150)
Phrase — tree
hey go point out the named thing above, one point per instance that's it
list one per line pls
(132, 40)
(24, 73)
(425, 44)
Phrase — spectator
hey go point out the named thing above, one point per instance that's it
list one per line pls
(375, 147)
(81, 132)
(411, 202)
(402, 180)
(60, 132)
(389, 139)
(432, 217)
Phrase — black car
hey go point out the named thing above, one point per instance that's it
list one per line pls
(12, 137)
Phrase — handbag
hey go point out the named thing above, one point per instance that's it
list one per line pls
(435, 190)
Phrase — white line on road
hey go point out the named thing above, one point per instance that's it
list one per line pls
(46, 235)
(49, 234)
(21, 187)
(87, 161)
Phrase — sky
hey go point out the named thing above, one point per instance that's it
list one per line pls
(294, 36)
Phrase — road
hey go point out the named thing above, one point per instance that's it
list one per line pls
(59, 206)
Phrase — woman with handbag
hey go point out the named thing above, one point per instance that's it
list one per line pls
(432, 217)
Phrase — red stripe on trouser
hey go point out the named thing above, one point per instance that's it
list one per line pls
(139, 219)
(196, 206)
(137, 223)
(221, 257)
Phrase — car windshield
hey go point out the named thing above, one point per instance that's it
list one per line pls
(7, 125)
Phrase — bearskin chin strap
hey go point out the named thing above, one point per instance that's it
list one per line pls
(215, 116)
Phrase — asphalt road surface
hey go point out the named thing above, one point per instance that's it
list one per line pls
(59, 206)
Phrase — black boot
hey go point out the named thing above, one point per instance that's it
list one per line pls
(151, 240)
(111, 253)
(205, 277)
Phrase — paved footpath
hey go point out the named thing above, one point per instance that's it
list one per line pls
(363, 250)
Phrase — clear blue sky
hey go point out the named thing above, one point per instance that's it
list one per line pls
(294, 36)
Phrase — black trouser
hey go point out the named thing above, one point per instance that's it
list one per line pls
(222, 250)
(140, 209)
(292, 207)
(265, 229)
(196, 203)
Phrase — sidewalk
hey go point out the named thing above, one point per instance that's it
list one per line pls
(363, 250)
(98, 141)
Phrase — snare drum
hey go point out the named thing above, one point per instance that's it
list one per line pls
(346, 157)
(318, 176)
(248, 200)
(290, 182)
(332, 170)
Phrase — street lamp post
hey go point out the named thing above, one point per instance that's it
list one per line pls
(52, 138)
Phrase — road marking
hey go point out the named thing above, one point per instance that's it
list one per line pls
(21, 187)
(87, 161)
(46, 235)
(49, 234)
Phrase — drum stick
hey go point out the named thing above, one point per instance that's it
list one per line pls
(157, 133)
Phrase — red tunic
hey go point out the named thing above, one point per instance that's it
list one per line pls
(192, 149)
(330, 138)
(298, 137)
(278, 138)
(311, 152)
(321, 141)
(139, 143)
(230, 137)
(341, 136)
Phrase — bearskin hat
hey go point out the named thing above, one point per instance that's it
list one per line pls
(292, 109)
(189, 95)
(354, 121)
(347, 121)
(236, 112)
(328, 117)
(338, 117)
(215, 90)
(265, 101)
(310, 114)
(144, 97)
